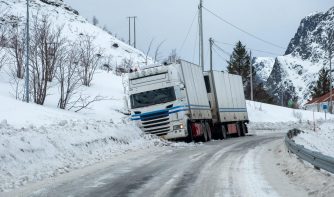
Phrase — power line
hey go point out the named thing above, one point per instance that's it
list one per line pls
(242, 30)
(190, 27)
(196, 36)
(258, 50)
(222, 50)
(220, 56)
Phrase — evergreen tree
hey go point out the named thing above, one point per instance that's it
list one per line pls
(239, 64)
(322, 85)
(261, 95)
(95, 21)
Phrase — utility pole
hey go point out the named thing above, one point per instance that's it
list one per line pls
(211, 44)
(282, 97)
(129, 30)
(134, 32)
(27, 56)
(251, 75)
(201, 42)
(330, 82)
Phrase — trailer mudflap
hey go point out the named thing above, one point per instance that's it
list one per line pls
(196, 129)
(232, 128)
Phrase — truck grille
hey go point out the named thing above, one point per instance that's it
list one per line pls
(156, 123)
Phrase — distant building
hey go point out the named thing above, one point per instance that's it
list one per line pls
(320, 103)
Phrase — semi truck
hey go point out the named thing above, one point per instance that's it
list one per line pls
(180, 101)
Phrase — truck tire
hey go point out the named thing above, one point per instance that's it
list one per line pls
(204, 137)
(223, 132)
(189, 138)
(244, 129)
(208, 129)
(216, 132)
(238, 130)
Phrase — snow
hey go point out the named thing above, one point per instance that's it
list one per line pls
(37, 142)
(75, 26)
(321, 140)
(267, 113)
(33, 153)
(263, 66)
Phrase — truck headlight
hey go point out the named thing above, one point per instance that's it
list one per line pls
(177, 127)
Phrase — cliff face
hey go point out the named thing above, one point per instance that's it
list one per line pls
(297, 70)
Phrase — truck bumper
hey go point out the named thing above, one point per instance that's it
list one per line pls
(182, 133)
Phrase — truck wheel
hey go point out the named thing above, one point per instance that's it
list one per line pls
(238, 130)
(244, 129)
(189, 138)
(224, 132)
(208, 129)
(205, 133)
(216, 132)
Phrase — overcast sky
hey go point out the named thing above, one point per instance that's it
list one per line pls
(275, 21)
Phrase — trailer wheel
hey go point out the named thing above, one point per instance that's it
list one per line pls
(216, 132)
(205, 134)
(238, 130)
(224, 132)
(208, 129)
(244, 129)
(189, 138)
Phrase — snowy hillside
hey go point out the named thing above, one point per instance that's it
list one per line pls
(74, 25)
(38, 141)
(297, 71)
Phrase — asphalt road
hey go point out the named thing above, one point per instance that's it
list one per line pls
(219, 168)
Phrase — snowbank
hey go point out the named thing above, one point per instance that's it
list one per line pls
(321, 140)
(261, 112)
(33, 153)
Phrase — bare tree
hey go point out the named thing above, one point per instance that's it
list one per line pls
(44, 46)
(148, 50)
(107, 63)
(157, 52)
(17, 44)
(125, 66)
(3, 45)
(16, 84)
(173, 57)
(90, 57)
(83, 102)
(68, 74)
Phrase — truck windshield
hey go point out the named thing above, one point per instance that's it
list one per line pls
(153, 97)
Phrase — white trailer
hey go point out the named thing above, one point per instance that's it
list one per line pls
(228, 104)
(171, 101)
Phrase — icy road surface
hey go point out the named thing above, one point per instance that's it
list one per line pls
(233, 167)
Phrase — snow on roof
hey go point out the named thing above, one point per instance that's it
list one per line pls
(321, 99)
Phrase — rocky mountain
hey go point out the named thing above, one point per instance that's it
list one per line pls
(294, 73)
(13, 13)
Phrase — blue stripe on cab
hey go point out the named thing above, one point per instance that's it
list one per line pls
(170, 110)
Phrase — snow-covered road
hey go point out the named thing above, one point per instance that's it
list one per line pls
(234, 167)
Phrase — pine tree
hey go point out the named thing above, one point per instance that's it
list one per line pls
(95, 21)
(261, 95)
(239, 64)
(322, 85)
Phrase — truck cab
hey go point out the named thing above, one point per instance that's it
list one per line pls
(166, 99)
(157, 99)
